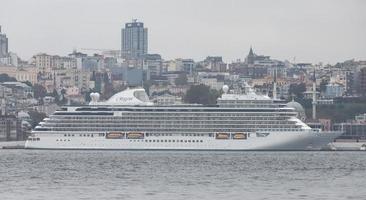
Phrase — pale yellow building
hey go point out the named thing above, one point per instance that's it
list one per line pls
(22, 74)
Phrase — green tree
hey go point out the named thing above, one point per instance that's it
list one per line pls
(39, 91)
(6, 78)
(297, 89)
(28, 83)
(87, 95)
(36, 117)
(201, 94)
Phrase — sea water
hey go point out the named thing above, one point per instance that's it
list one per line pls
(44, 174)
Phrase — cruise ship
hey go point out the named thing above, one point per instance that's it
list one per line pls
(129, 121)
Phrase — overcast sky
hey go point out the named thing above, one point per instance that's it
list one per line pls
(314, 31)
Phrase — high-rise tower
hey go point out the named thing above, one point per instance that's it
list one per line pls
(134, 40)
(3, 45)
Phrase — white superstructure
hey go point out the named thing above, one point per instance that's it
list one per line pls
(128, 120)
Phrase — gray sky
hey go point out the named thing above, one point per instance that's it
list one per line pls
(315, 31)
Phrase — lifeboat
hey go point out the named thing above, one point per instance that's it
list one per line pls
(240, 136)
(115, 135)
(222, 136)
(135, 135)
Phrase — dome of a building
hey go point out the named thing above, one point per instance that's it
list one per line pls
(298, 108)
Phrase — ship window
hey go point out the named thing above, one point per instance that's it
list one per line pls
(201, 140)
(189, 140)
(153, 140)
(56, 140)
(185, 141)
(173, 140)
(192, 140)
(166, 140)
(157, 140)
(182, 140)
(169, 141)
(73, 135)
(65, 135)
(92, 135)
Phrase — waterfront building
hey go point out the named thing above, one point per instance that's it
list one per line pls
(363, 81)
(166, 99)
(215, 64)
(10, 128)
(355, 129)
(133, 76)
(213, 83)
(19, 90)
(153, 64)
(11, 59)
(177, 65)
(22, 74)
(134, 40)
(333, 90)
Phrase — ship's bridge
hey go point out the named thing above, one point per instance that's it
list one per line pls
(134, 96)
(249, 99)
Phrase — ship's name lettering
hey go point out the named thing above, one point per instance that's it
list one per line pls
(125, 98)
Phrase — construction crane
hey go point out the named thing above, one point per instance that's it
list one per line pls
(105, 52)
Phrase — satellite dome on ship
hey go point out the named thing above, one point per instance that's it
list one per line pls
(298, 108)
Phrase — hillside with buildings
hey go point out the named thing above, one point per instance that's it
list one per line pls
(45, 82)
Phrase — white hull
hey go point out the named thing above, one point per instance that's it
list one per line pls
(306, 140)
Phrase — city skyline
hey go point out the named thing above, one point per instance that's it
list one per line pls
(314, 32)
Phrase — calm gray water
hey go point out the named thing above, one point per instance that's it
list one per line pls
(181, 175)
